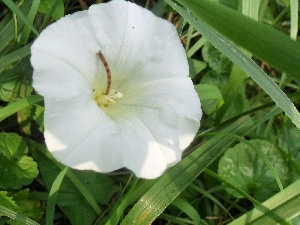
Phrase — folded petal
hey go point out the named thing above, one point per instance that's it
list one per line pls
(138, 45)
(140, 151)
(54, 78)
(72, 41)
(170, 109)
(80, 135)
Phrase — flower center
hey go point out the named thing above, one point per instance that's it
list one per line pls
(103, 100)
(110, 96)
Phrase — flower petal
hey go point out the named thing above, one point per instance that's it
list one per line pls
(80, 135)
(170, 109)
(140, 151)
(72, 41)
(138, 45)
(56, 79)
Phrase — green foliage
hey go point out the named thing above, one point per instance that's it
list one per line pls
(74, 189)
(26, 206)
(7, 201)
(21, 203)
(243, 166)
(46, 5)
(285, 203)
(196, 67)
(208, 91)
(16, 168)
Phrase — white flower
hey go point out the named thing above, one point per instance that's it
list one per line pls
(116, 89)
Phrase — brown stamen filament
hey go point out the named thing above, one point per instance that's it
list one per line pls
(107, 69)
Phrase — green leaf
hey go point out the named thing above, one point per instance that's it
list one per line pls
(196, 67)
(26, 206)
(260, 39)
(289, 142)
(7, 201)
(210, 105)
(232, 92)
(216, 59)
(39, 117)
(46, 5)
(8, 85)
(80, 192)
(244, 167)
(208, 91)
(277, 210)
(16, 168)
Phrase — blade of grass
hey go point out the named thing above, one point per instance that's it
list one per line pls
(188, 209)
(49, 14)
(129, 198)
(246, 64)
(196, 47)
(17, 216)
(262, 40)
(285, 204)
(6, 32)
(251, 8)
(10, 4)
(53, 194)
(84, 191)
(230, 91)
(70, 175)
(174, 181)
(14, 56)
(294, 6)
(209, 196)
(18, 105)
(31, 15)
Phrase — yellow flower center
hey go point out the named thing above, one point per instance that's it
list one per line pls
(109, 97)
(104, 100)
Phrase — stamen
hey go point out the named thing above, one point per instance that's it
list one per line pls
(108, 73)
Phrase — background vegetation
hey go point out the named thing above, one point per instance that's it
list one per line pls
(242, 168)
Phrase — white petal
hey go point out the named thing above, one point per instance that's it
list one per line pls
(138, 45)
(81, 136)
(56, 79)
(170, 109)
(140, 151)
(72, 41)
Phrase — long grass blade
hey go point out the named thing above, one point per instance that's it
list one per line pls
(260, 39)
(17, 216)
(10, 4)
(285, 204)
(238, 57)
(18, 105)
(53, 194)
(173, 182)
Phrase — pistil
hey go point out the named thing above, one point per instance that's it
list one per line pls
(107, 69)
(110, 96)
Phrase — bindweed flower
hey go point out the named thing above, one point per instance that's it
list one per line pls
(116, 89)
